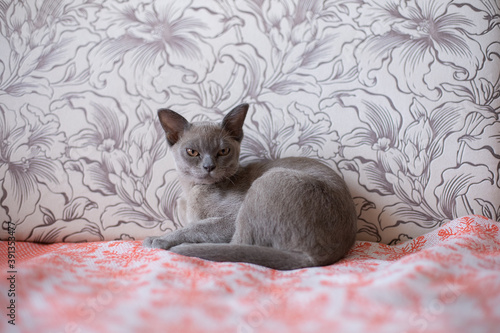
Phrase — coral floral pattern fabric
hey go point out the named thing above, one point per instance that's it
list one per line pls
(401, 97)
(445, 281)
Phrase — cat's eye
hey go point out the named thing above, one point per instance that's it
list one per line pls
(192, 152)
(223, 152)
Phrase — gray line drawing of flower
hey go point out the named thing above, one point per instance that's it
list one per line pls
(299, 131)
(115, 160)
(393, 161)
(34, 40)
(415, 37)
(303, 43)
(70, 227)
(156, 42)
(30, 158)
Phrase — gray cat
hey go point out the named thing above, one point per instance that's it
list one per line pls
(283, 214)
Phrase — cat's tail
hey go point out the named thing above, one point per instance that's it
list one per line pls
(253, 254)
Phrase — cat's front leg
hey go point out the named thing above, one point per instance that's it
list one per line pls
(211, 230)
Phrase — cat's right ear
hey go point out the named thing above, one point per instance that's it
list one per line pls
(173, 124)
(233, 121)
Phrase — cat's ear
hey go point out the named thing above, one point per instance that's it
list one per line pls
(173, 124)
(233, 121)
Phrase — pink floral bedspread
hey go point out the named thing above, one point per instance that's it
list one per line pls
(445, 281)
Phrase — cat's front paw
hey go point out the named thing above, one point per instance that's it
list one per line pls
(148, 241)
(158, 242)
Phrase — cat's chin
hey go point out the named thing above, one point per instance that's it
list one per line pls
(206, 179)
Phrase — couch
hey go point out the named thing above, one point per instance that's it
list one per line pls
(401, 98)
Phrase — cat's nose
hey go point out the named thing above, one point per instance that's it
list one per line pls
(208, 163)
(209, 167)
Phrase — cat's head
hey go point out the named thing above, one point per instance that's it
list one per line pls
(205, 152)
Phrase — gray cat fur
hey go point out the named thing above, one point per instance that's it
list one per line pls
(284, 214)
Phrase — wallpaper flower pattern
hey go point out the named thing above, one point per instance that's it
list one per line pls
(400, 97)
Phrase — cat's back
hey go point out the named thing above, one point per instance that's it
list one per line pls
(299, 179)
(301, 166)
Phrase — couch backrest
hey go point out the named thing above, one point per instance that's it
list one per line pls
(400, 97)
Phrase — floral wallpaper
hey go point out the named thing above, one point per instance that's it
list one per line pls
(401, 97)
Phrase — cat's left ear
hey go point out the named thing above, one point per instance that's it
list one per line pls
(233, 121)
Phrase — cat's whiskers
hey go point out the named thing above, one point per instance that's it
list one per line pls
(230, 179)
